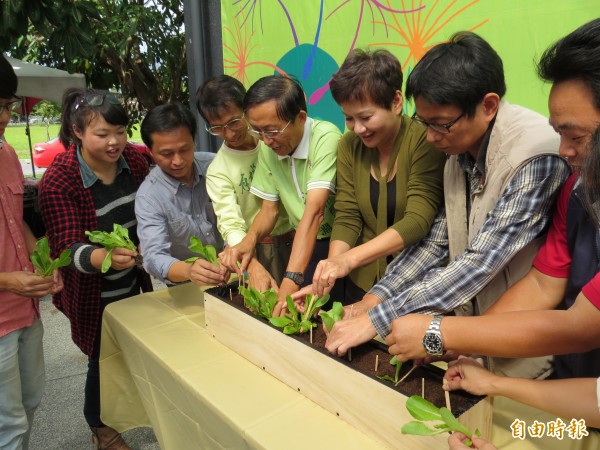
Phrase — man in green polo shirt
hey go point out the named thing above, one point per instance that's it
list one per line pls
(296, 171)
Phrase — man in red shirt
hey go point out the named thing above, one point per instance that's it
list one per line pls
(21, 353)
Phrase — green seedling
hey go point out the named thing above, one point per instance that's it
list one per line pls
(259, 303)
(394, 362)
(425, 411)
(332, 316)
(208, 252)
(294, 322)
(44, 265)
(118, 238)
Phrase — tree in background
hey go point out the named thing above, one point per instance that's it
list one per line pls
(134, 46)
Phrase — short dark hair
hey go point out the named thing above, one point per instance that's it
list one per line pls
(218, 94)
(575, 56)
(366, 75)
(459, 72)
(8, 79)
(167, 117)
(77, 111)
(286, 92)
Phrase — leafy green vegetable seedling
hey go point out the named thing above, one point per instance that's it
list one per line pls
(259, 303)
(294, 322)
(44, 265)
(422, 410)
(208, 252)
(394, 362)
(118, 238)
(333, 315)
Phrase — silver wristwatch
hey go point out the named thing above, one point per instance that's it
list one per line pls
(432, 341)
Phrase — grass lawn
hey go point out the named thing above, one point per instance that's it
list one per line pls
(16, 137)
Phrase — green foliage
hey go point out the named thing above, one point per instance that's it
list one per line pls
(118, 238)
(422, 410)
(208, 252)
(135, 46)
(259, 303)
(394, 362)
(44, 265)
(294, 322)
(333, 315)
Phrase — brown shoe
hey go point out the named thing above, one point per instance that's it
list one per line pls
(106, 438)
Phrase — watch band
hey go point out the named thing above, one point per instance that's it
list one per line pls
(296, 277)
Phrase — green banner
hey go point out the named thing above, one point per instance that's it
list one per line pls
(309, 39)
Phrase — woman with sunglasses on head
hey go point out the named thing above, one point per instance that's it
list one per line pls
(91, 187)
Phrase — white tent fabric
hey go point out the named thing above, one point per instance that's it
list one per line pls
(44, 82)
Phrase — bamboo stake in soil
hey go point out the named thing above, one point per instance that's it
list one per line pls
(311, 339)
(446, 394)
(406, 376)
(376, 363)
(423, 387)
(230, 295)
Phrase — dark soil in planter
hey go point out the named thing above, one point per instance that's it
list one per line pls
(363, 359)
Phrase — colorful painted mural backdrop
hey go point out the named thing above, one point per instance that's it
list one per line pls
(310, 38)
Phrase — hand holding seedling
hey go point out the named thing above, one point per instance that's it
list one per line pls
(242, 253)
(348, 333)
(27, 284)
(204, 273)
(204, 269)
(119, 251)
(457, 441)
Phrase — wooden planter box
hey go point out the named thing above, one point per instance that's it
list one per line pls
(372, 406)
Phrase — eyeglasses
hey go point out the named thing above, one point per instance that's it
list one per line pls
(11, 106)
(233, 125)
(442, 128)
(269, 134)
(98, 99)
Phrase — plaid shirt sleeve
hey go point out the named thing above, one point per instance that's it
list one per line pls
(521, 214)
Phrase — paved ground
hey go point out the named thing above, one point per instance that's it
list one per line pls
(27, 169)
(59, 423)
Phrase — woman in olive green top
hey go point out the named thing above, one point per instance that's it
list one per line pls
(389, 178)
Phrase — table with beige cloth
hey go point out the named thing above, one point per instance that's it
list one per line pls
(160, 368)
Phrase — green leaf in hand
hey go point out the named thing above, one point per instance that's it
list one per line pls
(422, 410)
(333, 315)
(208, 252)
(118, 238)
(40, 257)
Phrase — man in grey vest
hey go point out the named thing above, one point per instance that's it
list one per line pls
(565, 273)
(500, 182)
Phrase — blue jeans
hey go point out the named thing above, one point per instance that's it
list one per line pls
(22, 379)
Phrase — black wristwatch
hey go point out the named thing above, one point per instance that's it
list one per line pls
(432, 341)
(296, 277)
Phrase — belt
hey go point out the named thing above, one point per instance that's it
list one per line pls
(285, 237)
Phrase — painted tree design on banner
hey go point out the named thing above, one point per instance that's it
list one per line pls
(251, 31)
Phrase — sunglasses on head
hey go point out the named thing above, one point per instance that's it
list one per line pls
(99, 99)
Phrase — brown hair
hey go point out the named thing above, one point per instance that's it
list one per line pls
(367, 75)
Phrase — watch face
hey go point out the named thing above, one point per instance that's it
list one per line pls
(433, 344)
